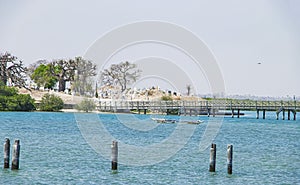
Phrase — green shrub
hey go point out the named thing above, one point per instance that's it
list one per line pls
(51, 102)
(10, 100)
(86, 105)
(166, 98)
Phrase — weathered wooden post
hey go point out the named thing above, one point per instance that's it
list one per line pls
(257, 113)
(6, 152)
(295, 115)
(283, 114)
(229, 158)
(238, 113)
(289, 114)
(114, 155)
(15, 155)
(212, 159)
(264, 113)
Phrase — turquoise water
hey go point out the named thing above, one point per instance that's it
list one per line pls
(53, 151)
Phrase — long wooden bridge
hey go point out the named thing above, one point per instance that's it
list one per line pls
(211, 107)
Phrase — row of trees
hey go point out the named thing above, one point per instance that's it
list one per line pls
(78, 71)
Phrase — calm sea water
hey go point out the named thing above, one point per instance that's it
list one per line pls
(53, 151)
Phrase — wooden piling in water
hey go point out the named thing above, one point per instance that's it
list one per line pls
(264, 113)
(229, 158)
(114, 155)
(15, 155)
(283, 114)
(212, 159)
(232, 113)
(238, 113)
(289, 114)
(6, 152)
(257, 114)
(295, 115)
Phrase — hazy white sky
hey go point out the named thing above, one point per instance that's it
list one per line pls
(239, 33)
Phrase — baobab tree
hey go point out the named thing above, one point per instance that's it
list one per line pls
(12, 70)
(63, 70)
(121, 74)
(85, 69)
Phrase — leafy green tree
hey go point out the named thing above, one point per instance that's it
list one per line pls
(42, 76)
(10, 100)
(11, 69)
(86, 105)
(50, 102)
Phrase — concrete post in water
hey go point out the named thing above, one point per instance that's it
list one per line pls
(229, 158)
(212, 159)
(6, 152)
(15, 155)
(114, 155)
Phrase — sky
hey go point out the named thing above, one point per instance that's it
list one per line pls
(239, 34)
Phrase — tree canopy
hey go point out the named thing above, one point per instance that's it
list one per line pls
(122, 75)
(11, 70)
(42, 76)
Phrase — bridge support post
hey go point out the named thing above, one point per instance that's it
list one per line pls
(264, 113)
(295, 115)
(232, 113)
(238, 113)
(257, 113)
(208, 112)
(283, 114)
(145, 111)
(289, 114)
(214, 112)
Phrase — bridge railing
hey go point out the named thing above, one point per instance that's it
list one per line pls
(111, 105)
